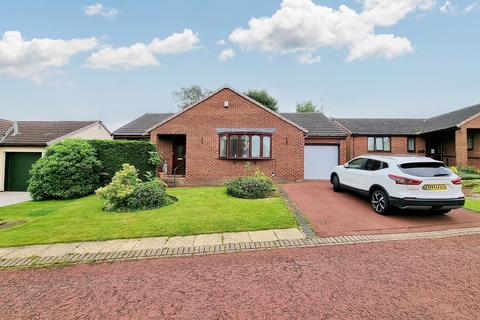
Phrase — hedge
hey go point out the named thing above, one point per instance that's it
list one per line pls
(114, 153)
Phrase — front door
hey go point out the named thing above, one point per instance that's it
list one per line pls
(179, 157)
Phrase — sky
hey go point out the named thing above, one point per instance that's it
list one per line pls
(116, 60)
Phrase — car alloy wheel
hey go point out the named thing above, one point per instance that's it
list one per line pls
(379, 202)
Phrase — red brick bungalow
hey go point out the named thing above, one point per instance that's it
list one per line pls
(451, 137)
(212, 140)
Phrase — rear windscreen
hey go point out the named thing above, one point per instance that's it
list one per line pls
(426, 169)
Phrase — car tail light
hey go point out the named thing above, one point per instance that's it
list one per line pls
(403, 180)
(457, 181)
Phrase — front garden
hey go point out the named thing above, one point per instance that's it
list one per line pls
(198, 210)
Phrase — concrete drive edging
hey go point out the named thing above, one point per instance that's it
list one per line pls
(134, 254)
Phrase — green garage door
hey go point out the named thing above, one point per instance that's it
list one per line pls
(17, 169)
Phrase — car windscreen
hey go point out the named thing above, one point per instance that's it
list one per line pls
(425, 169)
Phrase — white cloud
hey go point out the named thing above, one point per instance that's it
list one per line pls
(140, 54)
(301, 25)
(382, 46)
(99, 9)
(176, 43)
(226, 54)
(137, 55)
(448, 7)
(475, 6)
(221, 42)
(308, 58)
(32, 59)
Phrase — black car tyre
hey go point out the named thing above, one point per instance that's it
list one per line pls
(379, 201)
(337, 187)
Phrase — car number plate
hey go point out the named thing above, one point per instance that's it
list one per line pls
(433, 187)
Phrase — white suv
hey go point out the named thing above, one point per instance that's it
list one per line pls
(402, 181)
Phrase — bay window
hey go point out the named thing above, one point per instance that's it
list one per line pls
(245, 146)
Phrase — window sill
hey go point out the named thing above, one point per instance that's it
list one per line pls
(248, 159)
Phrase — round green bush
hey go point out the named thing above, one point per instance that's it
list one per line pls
(68, 170)
(149, 195)
(250, 187)
(127, 192)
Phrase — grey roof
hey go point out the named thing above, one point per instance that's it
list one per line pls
(4, 126)
(388, 126)
(451, 119)
(140, 126)
(317, 124)
(39, 133)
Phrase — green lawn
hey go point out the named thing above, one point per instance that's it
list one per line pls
(199, 210)
(472, 204)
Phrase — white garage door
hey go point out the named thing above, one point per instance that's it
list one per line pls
(319, 161)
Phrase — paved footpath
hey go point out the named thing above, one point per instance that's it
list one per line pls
(122, 248)
(412, 279)
(144, 248)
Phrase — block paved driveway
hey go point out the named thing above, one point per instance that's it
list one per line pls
(414, 279)
(331, 213)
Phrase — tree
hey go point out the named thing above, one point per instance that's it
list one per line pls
(306, 106)
(187, 96)
(264, 98)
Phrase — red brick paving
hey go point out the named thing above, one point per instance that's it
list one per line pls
(418, 279)
(345, 213)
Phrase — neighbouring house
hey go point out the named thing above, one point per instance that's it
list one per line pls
(451, 137)
(23, 142)
(213, 140)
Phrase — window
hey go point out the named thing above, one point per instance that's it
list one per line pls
(411, 144)
(426, 169)
(379, 144)
(233, 147)
(356, 163)
(245, 146)
(373, 165)
(255, 146)
(470, 141)
(371, 144)
(223, 146)
(266, 147)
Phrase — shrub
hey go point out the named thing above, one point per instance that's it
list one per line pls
(149, 195)
(257, 186)
(113, 154)
(127, 192)
(68, 170)
(468, 170)
(468, 176)
(471, 183)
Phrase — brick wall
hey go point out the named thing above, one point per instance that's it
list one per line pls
(472, 156)
(330, 141)
(358, 145)
(203, 165)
